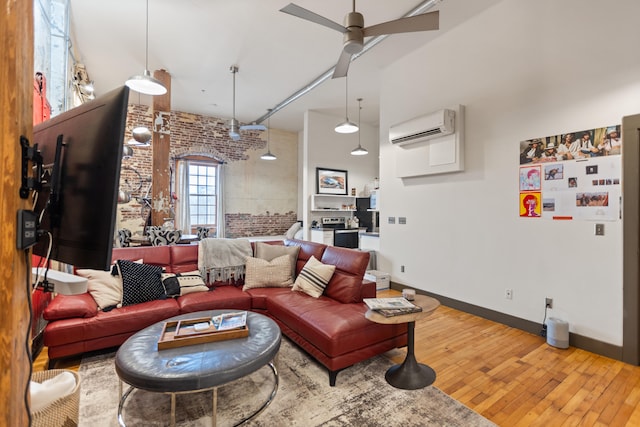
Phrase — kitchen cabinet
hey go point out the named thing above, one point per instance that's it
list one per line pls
(322, 236)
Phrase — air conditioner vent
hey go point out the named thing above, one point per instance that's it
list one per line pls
(423, 128)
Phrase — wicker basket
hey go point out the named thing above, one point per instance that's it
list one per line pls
(62, 412)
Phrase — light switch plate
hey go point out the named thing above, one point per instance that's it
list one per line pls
(599, 229)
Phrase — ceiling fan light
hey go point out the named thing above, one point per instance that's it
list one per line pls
(359, 151)
(346, 127)
(268, 156)
(146, 84)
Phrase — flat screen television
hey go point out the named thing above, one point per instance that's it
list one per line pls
(82, 153)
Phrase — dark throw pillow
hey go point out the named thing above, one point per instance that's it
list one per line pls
(140, 282)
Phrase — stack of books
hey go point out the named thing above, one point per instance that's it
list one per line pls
(390, 307)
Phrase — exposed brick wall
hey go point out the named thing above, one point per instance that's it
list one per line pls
(247, 225)
(194, 134)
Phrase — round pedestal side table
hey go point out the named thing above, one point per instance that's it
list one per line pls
(409, 375)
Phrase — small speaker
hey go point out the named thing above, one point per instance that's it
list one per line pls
(557, 333)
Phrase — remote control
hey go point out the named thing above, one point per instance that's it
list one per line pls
(201, 326)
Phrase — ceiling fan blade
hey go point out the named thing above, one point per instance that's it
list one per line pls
(303, 13)
(253, 127)
(424, 22)
(342, 67)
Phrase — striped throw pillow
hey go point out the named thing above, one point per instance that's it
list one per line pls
(314, 277)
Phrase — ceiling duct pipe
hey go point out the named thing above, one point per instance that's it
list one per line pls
(421, 8)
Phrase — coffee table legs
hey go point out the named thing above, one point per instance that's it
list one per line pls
(410, 375)
(214, 403)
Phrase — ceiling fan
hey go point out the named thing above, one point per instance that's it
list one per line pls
(354, 30)
(234, 124)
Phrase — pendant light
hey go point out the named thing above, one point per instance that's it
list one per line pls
(359, 151)
(141, 134)
(145, 83)
(346, 126)
(268, 155)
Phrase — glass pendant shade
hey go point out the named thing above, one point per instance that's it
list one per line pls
(268, 156)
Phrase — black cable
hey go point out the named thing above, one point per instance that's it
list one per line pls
(543, 332)
(28, 334)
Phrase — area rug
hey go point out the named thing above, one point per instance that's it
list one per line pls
(361, 397)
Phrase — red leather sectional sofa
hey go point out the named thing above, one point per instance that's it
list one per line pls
(331, 328)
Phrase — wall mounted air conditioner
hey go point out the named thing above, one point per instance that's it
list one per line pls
(423, 128)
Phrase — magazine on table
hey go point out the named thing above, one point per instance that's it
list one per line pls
(388, 303)
(227, 321)
(391, 312)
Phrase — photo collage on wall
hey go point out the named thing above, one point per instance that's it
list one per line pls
(574, 175)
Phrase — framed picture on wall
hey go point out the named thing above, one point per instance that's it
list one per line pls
(331, 181)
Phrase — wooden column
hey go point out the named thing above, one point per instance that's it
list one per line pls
(16, 105)
(161, 178)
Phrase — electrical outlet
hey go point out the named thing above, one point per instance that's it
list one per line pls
(508, 293)
(548, 302)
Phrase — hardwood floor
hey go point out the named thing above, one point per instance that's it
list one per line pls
(512, 377)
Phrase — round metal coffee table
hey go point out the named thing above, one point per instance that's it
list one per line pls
(196, 367)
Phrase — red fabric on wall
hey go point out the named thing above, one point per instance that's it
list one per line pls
(41, 107)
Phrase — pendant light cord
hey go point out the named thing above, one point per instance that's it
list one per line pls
(269, 134)
(234, 70)
(346, 98)
(359, 108)
(146, 54)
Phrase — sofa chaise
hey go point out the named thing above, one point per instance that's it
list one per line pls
(331, 328)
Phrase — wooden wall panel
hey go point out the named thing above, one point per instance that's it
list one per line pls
(16, 100)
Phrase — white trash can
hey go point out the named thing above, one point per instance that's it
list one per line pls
(557, 333)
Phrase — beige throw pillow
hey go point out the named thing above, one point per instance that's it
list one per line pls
(105, 288)
(314, 277)
(178, 284)
(260, 273)
(269, 252)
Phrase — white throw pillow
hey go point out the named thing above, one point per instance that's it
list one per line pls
(291, 232)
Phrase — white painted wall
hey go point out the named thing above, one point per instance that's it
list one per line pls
(323, 147)
(522, 69)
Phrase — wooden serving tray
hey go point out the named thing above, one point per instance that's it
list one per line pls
(180, 333)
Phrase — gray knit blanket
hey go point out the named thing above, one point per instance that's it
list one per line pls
(223, 259)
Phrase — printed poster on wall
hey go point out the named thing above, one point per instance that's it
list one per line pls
(574, 175)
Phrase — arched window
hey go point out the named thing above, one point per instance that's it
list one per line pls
(198, 193)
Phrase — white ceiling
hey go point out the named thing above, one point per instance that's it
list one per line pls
(197, 41)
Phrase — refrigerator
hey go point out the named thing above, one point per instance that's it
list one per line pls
(366, 217)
